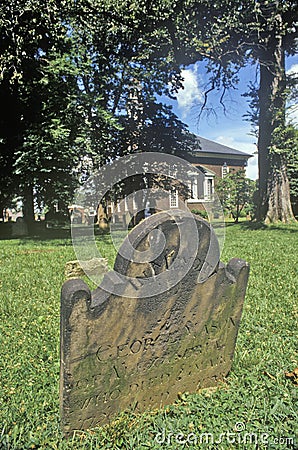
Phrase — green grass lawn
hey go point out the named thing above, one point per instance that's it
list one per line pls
(256, 403)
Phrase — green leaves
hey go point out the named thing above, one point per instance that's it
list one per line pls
(236, 193)
(67, 69)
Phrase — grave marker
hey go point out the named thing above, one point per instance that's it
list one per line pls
(135, 343)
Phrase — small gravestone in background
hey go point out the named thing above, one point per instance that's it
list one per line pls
(127, 350)
(75, 269)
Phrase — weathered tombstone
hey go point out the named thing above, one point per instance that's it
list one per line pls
(151, 329)
(75, 269)
(19, 228)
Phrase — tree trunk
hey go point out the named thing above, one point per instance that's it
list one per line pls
(2, 211)
(28, 207)
(264, 141)
(279, 204)
(274, 191)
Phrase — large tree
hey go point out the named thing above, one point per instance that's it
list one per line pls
(231, 35)
(70, 69)
(30, 32)
(53, 117)
(228, 35)
(276, 22)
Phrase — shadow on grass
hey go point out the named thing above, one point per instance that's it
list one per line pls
(47, 234)
(43, 236)
(282, 227)
(38, 231)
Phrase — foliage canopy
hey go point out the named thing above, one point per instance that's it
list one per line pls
(81, 82)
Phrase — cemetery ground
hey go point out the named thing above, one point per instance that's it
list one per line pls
(256, 406)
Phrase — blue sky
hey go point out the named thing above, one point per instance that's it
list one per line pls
(230, 129)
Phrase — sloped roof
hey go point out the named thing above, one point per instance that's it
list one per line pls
(207, 146)
(206, 170)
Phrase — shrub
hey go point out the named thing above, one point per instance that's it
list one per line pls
(201, 213)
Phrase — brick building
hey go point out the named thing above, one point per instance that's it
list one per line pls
(214, 161)
(211, 160)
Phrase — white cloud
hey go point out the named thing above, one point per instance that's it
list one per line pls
(293, 70)
(292, 114)
(252, 168)
(191, 93)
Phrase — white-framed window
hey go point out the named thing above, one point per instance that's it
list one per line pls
(174, 198)
(224, 170)
(189, 188)
(208, 188)
(193, 188)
